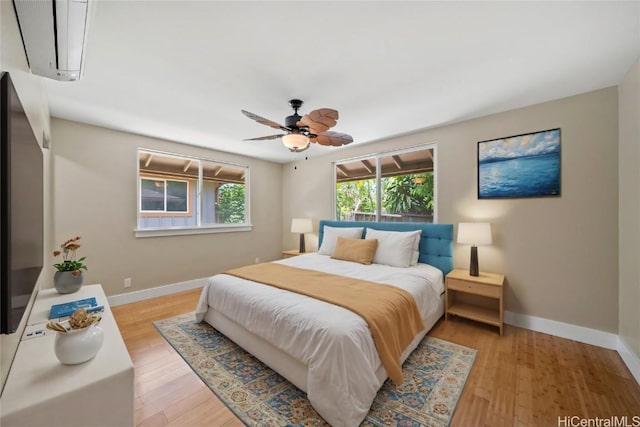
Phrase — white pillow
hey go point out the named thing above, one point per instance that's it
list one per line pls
(416, 249)
(330, 237)
(395, 248)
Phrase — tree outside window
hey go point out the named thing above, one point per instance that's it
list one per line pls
(408, 194)
(355, 196)
(230, 206)
(405, 183)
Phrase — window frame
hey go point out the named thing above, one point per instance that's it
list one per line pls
(199, 228)
(378, 156)
(165, 212)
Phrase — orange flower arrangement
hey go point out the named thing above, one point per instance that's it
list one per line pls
(70, 263)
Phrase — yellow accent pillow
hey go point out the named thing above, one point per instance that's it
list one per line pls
(356, 250)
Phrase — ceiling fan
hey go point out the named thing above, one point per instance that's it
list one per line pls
(301, 131)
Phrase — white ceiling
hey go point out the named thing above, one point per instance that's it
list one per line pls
(182, 70)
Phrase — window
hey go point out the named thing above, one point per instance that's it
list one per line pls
(356, 190)
(389, 187)
(163, 195)
(186, 195)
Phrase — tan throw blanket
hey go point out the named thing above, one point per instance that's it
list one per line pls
(391, 313)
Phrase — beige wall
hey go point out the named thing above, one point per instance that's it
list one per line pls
(34, 100)
(94, 171)
(559, 254)
(629, 209)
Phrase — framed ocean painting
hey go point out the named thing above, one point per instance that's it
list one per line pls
(526, 165)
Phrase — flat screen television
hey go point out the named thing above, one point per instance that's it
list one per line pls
(21, 208)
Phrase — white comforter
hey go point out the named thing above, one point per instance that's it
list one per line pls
(333, 342)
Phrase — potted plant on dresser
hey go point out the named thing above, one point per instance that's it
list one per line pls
(68, 278)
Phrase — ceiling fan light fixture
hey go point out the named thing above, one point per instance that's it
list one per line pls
(300, 131)
(295, 141)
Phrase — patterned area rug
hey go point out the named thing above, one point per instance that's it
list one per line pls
(435, 375)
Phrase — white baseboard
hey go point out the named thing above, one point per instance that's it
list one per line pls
(629, 358)
(144, 294)
(564, 330)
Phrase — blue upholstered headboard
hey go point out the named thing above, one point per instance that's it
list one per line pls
(436, 245)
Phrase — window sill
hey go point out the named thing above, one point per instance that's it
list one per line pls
(185, 231)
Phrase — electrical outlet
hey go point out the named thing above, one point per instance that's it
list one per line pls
(257, 260)
(35, 331)
(127, 282)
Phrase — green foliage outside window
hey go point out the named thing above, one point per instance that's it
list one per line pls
(230, 207)
(408, 194)
(355, 196)
(403, 194)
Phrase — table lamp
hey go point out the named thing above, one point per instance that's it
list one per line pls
(301, 225)
(474, 233)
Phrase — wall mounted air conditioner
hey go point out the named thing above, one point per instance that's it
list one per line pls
(54, 34)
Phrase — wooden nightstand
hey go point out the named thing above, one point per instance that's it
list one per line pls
(291, 253)
(488, 286)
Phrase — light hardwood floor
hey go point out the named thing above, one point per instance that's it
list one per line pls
(523, 378)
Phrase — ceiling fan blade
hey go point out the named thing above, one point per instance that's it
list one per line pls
(264, 121)
(319, 120)
(335, 139)
(264, 138)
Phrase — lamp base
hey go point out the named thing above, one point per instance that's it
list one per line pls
(473, 266)
(302, 248)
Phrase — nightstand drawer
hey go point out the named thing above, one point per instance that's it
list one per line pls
(474, 288)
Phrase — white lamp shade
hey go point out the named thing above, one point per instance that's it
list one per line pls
(474, 233)
(295, 141)
(301, 225)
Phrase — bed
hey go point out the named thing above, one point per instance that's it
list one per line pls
(326, 350)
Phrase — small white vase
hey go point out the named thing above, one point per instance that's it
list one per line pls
(78, 345)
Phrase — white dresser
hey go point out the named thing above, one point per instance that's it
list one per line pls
(40, 391)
